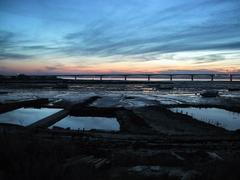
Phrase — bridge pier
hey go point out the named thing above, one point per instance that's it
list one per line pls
(192, 77)
(212, 77)
(148, 77)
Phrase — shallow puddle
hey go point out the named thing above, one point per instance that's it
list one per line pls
(88, 123)
(218, 117)
(26, 116)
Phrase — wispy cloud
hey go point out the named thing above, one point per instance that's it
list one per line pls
(161, 33)
(13, 56)
(113, 31)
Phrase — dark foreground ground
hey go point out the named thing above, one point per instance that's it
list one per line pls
(153, 142)
(52, 155)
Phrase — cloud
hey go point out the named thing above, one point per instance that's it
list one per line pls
(133, 31)
(51, 68)
(55, 67)
(174, 29)
(14, 46)
(209, 58)
(5, 35)
(7, 42)
(5, 38)
(38, 47)
(14, 56)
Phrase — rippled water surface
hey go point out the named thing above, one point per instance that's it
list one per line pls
(26, 116)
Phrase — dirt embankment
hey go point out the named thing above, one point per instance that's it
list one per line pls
(165, 121)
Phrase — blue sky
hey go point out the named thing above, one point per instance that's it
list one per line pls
(87, 36)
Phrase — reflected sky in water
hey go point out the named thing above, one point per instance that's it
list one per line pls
(88, 123)
(220, 117)
(26, 116)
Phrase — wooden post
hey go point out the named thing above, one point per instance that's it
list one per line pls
(171, 77)
(231, 77)
(75, 77)
(100, 77)
(125, 77)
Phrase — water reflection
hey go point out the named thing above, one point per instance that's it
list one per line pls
(26, 116)
(218, 117)
(88, 123)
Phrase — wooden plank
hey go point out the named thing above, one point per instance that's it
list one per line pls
(101, 163)
(50, 120)
(27, 103)
(77, 160)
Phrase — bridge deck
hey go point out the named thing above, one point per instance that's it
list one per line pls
(148, 76)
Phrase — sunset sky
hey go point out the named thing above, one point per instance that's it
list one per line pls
(119, 36)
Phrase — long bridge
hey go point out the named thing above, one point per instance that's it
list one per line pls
(134, 77)
(149, 76)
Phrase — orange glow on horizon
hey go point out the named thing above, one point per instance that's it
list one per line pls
(114, 69)
(69, 67)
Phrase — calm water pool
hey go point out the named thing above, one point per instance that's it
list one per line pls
(219, 117)
(88, 123)
(26, 116)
